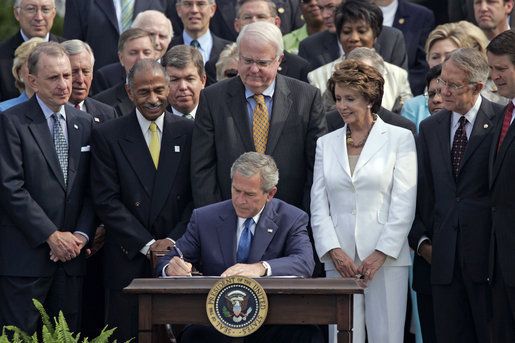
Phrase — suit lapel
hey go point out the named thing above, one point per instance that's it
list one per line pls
(124, 103)
(226, 230)
(108, 8)
(40, 131)
(280, 111)
(237, 104)
(331, 47)
(135, 150)
(498, 156)
(339, 147)
(74, 145)
(443, 132)
(265, 231)
(169, 161)
(401, 16)
(377, 138)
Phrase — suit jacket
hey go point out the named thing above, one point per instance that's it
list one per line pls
(95, 22)
(7, 48)
(372, 208)
(222, 133)
(118, 98)
(99, 111)
(501, 166)
(280, 238)
(446, 204)
(335, 121)
(135, 202)
(415, 22)
(322, 48)
(35, 201)
(107, 76)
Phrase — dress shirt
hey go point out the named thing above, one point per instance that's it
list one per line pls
(251, 103)
(7, 104)
(26, 38)
(118, 11)
(145, 130)
(389, 13)
(80, 107)
(180, 114)
(292, 40)
(512, 117)
(205, 41)
(471, 117)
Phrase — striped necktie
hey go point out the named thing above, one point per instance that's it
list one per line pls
(127, 13)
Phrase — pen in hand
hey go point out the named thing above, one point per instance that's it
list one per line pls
(181, 255)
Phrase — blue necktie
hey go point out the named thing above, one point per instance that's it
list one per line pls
(242, 254)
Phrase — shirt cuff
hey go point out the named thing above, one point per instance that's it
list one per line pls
(422, 240)
(82, 234)
(268, 268)
(146, 248)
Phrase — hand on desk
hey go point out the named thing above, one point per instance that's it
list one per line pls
(249, 270)
(65, 246)
(178, 267)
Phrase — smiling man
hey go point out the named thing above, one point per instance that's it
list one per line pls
(141, 188)
(492, 16)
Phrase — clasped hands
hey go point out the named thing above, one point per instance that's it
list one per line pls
(179, 267)
(347, 268)
(65, 246)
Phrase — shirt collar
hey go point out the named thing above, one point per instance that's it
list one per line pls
(241, 220)
(81, 105)
(470, 115)
(181, 114)
(268, 92)
(26, 38)
(144, 123)
(204, 40)
(47, 111)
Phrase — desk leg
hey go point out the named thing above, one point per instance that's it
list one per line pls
(344, 317)
(145, 319)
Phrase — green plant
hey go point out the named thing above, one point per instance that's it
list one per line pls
(60, 333)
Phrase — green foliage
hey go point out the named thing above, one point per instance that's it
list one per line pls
(50, 333)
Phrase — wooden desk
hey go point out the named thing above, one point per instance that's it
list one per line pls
(291, 301)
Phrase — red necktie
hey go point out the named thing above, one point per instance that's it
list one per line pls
(77, 106)
(508, 114)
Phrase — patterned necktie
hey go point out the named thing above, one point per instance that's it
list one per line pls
(61, 145)
(242, 254)
(508, 114)
(459, 144)
(77, 106)
(188, 116)
(127, 13)
(260, 124)
(154, 145)
(194, 43)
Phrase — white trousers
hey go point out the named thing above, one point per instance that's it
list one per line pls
(381, 309)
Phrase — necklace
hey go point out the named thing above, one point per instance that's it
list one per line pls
(361, 143)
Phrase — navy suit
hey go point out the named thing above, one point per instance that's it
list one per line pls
(118, 98)
(7, 48)
(35, 202)
(108, 76)
(99, 111)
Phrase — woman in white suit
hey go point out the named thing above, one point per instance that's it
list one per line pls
(363, 203)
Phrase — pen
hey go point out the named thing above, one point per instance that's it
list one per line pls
(181, 256)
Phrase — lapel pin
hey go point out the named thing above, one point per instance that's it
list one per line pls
(177, 148)
(402, 21)
(485, 126)
(280, 10)
(75, 126)
(270, 230)
(97, 120)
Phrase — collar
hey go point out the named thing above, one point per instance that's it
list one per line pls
(470, 115)
(81, 104)
(181, 114)
(144, 123)
(389, 12)
(241, 220)
(205, 40)
(268, 92)
(26, 38)
(47, 111)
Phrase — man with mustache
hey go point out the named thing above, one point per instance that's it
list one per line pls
(141, 188)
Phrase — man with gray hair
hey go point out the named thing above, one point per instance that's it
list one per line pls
(453, 209)
(36, 18)
(82, 61)
(251, 235)
(257, 111)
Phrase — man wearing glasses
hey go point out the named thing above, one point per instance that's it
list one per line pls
(257, 111)
(36, 18)
(453, 209)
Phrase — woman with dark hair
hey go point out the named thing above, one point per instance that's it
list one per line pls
(363, 203)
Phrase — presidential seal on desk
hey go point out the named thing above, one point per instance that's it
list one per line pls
(237, 306)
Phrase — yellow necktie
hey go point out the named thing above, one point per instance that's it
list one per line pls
(154, 145)
(260, 124)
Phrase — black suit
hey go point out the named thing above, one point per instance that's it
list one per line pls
(7, 48)
(34, 203)
(335, 121)
(136, 203)
(118, 98)
(95, 22)
(108, 76)
(99, 111)
(455, 214)
(222, 133)
(322, 48)
(502, 164)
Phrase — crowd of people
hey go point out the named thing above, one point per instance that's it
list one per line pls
(315, 138)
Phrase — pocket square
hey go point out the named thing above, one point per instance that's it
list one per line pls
(85, 148)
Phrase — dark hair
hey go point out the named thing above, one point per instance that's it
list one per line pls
(361, 77)
(433, 73)
(503, 44)
(181, 55)
(354, 10)
(131, 34)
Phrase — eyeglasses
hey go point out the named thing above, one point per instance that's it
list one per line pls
(452, 86)
(259, 63)
(200, 4)
(230, 73)
(33, 10)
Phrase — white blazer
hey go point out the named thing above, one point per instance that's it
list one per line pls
(372, 209)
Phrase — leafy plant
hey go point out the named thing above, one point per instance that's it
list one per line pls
(50, 333)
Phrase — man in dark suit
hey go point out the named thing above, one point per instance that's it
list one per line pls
(251, 235)
(36, 20)
(96, 22)
(493, 16)
(82, 61)
(46, 213)
(501, 58)
(323, 47)
(454, 213)
(285, 123)
(134, 44)
(415, 22)
(141, 188)
(335, 121)
(195, 19)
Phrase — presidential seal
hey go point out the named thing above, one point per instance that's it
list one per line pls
(237, 306)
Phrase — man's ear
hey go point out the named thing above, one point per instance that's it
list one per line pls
(271, 194)
(129, 92)
(32, 82)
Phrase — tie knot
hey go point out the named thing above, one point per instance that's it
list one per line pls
(153, 127)
(463, 121)
(56, 116)
(259, 98)
(248, 222)
(194, 43)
